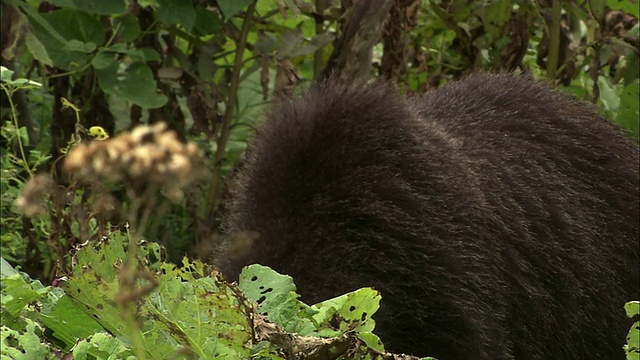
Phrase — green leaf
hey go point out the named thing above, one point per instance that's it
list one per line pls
(107, 58)
(629, 109)
(6, 269)
(74, 24)
(135, 84)
(37, 20)
(632, 70)
(353, 310)
(22, 131)
(632, 308)
(289, 42)
(68, 322)
(37, 49)
(17, 294)
(143, 54)
(232, 7)
(101, 7)
(148, 3)
(277, 299)
(62, 3)
(626, 6)
(128, 27)
(207, 22)
(6, 75)
(180, 12)
(104, 59)
(276, 296)
(62, 31)
(76, 45)
(101, 346)
(372, 341)
(25, 344)
(266, 43)
(495, 16)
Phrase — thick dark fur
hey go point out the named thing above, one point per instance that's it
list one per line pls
(498, 218)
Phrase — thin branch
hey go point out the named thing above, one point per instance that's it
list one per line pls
(554, 40)
(228, 112)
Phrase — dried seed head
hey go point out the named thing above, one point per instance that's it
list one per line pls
(148, 155)
(31, 202)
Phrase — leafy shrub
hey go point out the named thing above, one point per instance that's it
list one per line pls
(160, 310)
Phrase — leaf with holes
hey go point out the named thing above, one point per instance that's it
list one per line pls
(277, 299)
(349, 312)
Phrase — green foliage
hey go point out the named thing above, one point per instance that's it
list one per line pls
(21, 335)
(276, 296)
(182, 311)
(25, 344)
(186, 310)
(137, 86)
(232, 7)
(632, 348)
(17, 167)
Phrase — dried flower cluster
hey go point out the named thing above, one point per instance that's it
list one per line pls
(31, 201)
(149, 156)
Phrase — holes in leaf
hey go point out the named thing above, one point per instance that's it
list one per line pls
(266, 291)
(363, 317)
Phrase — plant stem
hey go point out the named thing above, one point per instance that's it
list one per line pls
(228, 112)
(554, 39)
(9, 90)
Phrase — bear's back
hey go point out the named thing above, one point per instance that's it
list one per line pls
(498, 218)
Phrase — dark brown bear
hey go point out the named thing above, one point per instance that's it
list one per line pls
(498, 218)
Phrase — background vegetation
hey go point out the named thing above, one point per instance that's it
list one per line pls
(76, 71)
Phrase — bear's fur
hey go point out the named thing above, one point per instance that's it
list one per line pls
(498, 218)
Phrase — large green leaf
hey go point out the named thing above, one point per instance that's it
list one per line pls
(128, 27)
(626, 6)
(102, 346)
(68, 35)
(24, 344)
(354, 310)
(276, 296)
(37, 49)
(68, 322)
(232, 7)
(74, 24)
(207, 22)
(180, 12)
(101, 7)
(16, 294)
(135, 84)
